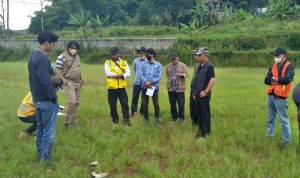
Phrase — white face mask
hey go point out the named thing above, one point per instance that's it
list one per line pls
(73, 51)
(278, 59)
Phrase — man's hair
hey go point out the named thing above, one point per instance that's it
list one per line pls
(45, 36)
(151, 51)
(73, 43)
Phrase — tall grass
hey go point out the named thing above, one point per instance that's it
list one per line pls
(237, 146)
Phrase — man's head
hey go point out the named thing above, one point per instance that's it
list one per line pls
(47, 40)
(201, 55)
(114, 53)
(73, 47)
(279, 55)
(150, 53)
(174, 58)
(142, 52)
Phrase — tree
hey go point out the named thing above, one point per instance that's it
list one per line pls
(81, 20)
(193, 27)
(7, 18)
(2, 16)
(280, 9)
(99, 24)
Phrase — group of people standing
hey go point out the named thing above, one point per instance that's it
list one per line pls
(40, 105)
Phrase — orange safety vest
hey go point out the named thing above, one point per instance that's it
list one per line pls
(279, 89)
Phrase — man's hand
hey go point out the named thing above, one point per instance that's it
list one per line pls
(118, 76)
(148, 84)
(202, 94)
(180, 75)
(65, 82)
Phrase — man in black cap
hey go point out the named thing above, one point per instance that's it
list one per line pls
(176, 72)
(117, 71)
(279, 80)
(137, 87)
(201, 85)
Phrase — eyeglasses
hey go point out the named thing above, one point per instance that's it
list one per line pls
(141, 53)
(197, 55)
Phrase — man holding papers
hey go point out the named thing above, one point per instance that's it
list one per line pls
(150, 76)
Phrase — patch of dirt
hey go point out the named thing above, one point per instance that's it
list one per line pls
(130, 171)
(146, 156)
(163, 165)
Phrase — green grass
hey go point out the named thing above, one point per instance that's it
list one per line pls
(237, 146)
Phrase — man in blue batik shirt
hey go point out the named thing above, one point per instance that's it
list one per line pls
(150, 77)
(137, 87)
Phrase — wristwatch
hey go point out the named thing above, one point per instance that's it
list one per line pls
(206, 91)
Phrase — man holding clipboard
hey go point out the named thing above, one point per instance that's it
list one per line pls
(150, 76)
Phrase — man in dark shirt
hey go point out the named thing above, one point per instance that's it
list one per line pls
(201, 85)
(43, 93)
(279, 80)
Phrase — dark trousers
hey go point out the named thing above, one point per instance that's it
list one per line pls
(113, 95)
(29, 119)
(145, 102)
(135, 99)
(174, 98)
(202, 115)
(298, 118)
(193, 109)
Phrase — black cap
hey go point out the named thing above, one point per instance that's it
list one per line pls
(141, 49)
(114, 50)
(173, 55)
(279, 51)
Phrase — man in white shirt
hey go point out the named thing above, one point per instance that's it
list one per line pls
(117, 71)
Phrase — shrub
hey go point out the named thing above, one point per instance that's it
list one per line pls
(293, 41)
(250, 42)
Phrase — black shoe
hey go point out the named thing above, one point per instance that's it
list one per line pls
(127, 123)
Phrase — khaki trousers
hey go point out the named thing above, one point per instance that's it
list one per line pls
(72, 91)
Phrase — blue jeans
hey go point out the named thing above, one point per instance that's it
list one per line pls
(46, 124)
(29, 119)
(280, 106)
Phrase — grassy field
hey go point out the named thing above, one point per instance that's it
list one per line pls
(237, 147)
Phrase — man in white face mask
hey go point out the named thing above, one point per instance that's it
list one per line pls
(68, 66)
(279, 80)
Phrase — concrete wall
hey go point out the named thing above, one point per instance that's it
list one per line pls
(156, 43)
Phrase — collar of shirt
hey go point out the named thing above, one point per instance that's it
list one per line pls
(41, 50)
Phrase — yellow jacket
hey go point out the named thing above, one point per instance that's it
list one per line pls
(27, 107)
(115, 83)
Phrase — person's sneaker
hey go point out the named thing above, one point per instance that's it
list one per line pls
(23, 134)
(283, 145)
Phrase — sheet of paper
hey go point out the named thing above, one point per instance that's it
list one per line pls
(150, 91)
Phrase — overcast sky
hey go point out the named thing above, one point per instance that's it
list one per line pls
(19, 12)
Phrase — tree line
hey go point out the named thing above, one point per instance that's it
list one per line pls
(99, 13)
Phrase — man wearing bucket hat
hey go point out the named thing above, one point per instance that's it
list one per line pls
(201, 85)
(137, 87)
(279, 80)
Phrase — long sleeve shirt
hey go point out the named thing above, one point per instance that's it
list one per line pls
(137, 67)
(108, 73)
(39, 68)
(289, 75)
(152, 73)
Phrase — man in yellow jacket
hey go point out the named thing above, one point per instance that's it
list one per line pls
(117, 71)
(26, 114)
